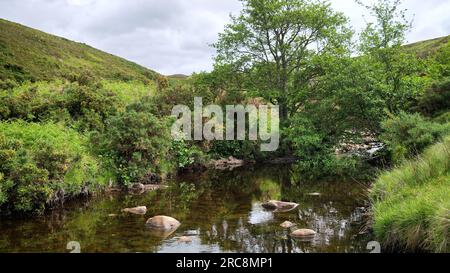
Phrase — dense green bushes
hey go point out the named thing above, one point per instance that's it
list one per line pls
(412, 205)
(83, 106)
(135, 142)
(408, 135)
(41, 163)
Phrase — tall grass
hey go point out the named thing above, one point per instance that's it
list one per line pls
(412, 202)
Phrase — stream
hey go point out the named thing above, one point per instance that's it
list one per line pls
(219, 211)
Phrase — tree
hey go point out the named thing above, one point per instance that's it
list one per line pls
(398, 82)
(273, 40)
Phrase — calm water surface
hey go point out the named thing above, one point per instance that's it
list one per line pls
(219, 210)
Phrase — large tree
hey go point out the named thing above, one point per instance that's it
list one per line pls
(272, 42)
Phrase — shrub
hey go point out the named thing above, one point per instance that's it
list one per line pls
(83, 106)
(436, 99)
(187, 154)
(408, 135)
(37, 161)
(136, 143)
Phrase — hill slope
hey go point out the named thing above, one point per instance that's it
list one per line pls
(428, 47)
(29, 54)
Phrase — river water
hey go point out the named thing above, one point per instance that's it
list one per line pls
(220, 211)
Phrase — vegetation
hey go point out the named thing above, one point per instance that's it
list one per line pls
(43, 163)
(29, 54)
(61, 130)
(412, 207)
(407, 135)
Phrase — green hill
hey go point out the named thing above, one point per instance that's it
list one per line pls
(428, 47)
(29, 54)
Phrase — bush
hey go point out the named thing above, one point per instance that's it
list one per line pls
(136, 142)
(408, 135)
(412, 202)
(436, 99)
(39, 160)
(187, 154)
(83, 106)
(315, 151)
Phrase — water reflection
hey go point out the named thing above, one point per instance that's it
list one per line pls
(219, 212)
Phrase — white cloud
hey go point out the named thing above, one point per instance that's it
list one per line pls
(172, 36)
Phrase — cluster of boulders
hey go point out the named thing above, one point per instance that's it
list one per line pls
(279, 206)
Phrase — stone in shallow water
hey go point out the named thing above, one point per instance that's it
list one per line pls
(162, 222)
(137, 210)
(279, 206)
(184, 239)
(303, 233)
(287, 224)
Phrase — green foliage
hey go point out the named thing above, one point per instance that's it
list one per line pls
(37, 160)
(411, 203)
(84, 105)
(135, 142)
(397, 72)
(187, 154)
(29, 54)
(408, 135)
(315, 150)
(436, 99)
(271, 41)
(246, 149)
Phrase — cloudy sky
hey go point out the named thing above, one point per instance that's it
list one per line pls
(172, 36)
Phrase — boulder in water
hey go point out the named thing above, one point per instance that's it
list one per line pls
(185, 239)
(287, 224)
(163, 223)
(279, 206)
(303, 233)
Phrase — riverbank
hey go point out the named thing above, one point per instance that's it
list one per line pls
(412, 203)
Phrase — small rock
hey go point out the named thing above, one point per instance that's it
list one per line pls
(279, 206)
(137, 210)
(303, 233)
(314, 194)
(185, 239)
(163, 223)
(112, 215)
(137, 187)
(287, 224)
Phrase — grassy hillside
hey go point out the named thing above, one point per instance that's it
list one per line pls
(29, 54)
(428, 47)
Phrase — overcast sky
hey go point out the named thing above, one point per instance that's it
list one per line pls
(172, 36)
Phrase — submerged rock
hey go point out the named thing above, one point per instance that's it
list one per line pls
(279, 206)
(163, 223)
(287, 224)
(303, 233)
(185, 239)
(137, 210)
